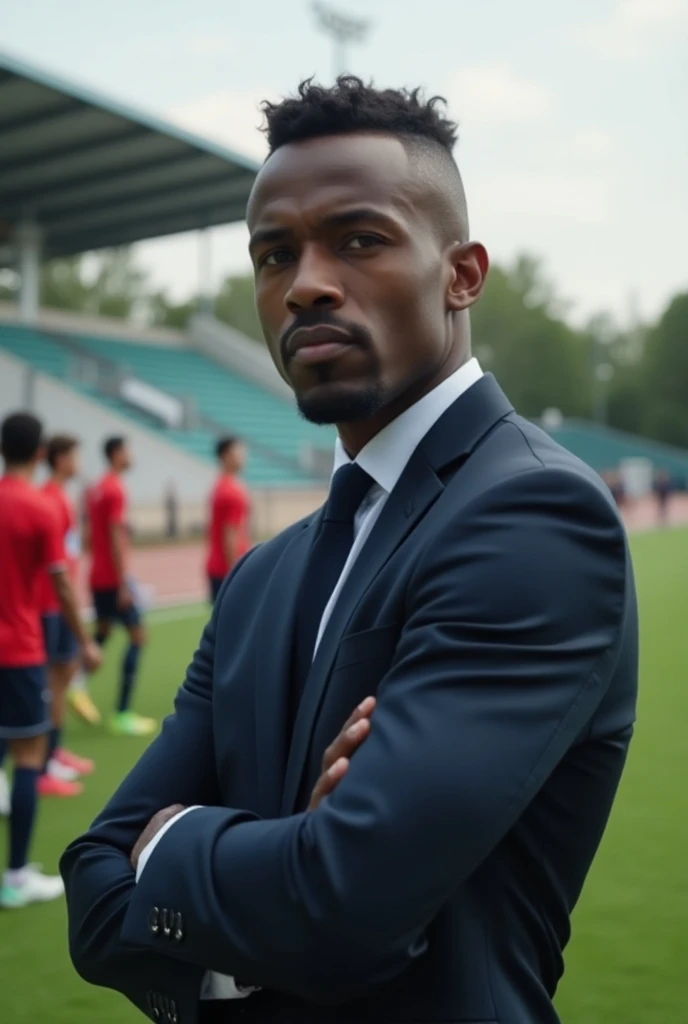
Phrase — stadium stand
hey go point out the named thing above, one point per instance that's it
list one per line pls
(234, 403)
(222, 402)
(83, 172)
(604, 448)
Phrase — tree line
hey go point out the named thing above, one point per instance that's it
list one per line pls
(635, 379)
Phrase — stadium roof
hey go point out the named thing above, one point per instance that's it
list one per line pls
(95, 173)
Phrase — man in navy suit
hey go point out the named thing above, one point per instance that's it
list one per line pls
(467, 586)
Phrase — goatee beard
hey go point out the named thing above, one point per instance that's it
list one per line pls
(347, 406)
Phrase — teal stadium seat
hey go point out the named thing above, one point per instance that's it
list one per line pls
(35, 348)
(270, 425)
(604, 448)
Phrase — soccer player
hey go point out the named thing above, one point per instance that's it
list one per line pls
(62, 766)
(31, 542)
(230, 510)
(114, 598)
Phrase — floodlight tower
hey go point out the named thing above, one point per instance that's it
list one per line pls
(343, 29)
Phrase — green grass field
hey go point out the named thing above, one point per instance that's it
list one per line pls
(624, 964)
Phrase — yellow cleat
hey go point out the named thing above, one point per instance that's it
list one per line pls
(81, 704)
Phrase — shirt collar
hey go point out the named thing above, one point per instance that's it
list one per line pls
(385, 456)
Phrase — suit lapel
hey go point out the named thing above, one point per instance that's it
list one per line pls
(451, 439)
(275, 633)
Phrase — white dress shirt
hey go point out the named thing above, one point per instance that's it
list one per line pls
(384, 458)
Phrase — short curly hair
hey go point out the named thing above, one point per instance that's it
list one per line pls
(352, 106)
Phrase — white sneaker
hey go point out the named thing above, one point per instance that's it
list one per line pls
(33, 887)
(61, 771)
(4, 795)
(78, 683)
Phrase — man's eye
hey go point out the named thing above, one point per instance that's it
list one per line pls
(363, 242)
(276, 258)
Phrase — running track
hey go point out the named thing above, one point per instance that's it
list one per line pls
(174, 574)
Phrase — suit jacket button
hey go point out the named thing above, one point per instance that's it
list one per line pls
(166, 918)
(154, 921)
(178, 927)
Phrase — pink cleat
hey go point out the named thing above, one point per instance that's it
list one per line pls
(81, 765)
(48, 785)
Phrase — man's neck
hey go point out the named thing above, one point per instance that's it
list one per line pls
(60, 480)
(23, 472)
(356, 435)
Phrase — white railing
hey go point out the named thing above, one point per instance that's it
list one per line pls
(166, 408)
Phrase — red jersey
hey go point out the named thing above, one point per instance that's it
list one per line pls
(31, 543)
(229, 506)
(106, 505)
(66, 517)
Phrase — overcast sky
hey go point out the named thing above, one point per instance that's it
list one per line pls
(573, 126)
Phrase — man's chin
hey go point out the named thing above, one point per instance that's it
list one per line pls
(332, 404)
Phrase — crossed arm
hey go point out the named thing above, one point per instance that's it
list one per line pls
(505, 656)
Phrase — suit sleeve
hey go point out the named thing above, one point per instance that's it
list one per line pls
(514, 618)
(178, 767)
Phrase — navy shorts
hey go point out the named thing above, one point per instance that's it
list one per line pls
(214, 584)
(24, 702)
(106, 609)
(60, 643)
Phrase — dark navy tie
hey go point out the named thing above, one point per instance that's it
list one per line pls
(326, 560)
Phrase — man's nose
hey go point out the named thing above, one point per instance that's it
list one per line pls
(314, 284)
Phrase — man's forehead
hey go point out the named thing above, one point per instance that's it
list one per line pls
(347, 168)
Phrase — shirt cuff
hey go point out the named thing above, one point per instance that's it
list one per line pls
(147, 850)
(214, 986)
(222, 986)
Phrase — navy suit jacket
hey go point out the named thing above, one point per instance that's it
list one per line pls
(492, 612)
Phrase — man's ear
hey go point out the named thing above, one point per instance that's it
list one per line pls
(469, 265)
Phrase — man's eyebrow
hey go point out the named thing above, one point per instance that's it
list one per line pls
(367, 213)
(263, 236)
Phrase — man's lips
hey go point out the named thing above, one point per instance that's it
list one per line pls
(319, 344)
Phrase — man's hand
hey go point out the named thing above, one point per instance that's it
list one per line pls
(91, 655)
(151, 830)
(125, 597)
(336, 758)
(334, 765)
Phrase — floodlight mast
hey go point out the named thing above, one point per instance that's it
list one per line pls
(343, 29)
